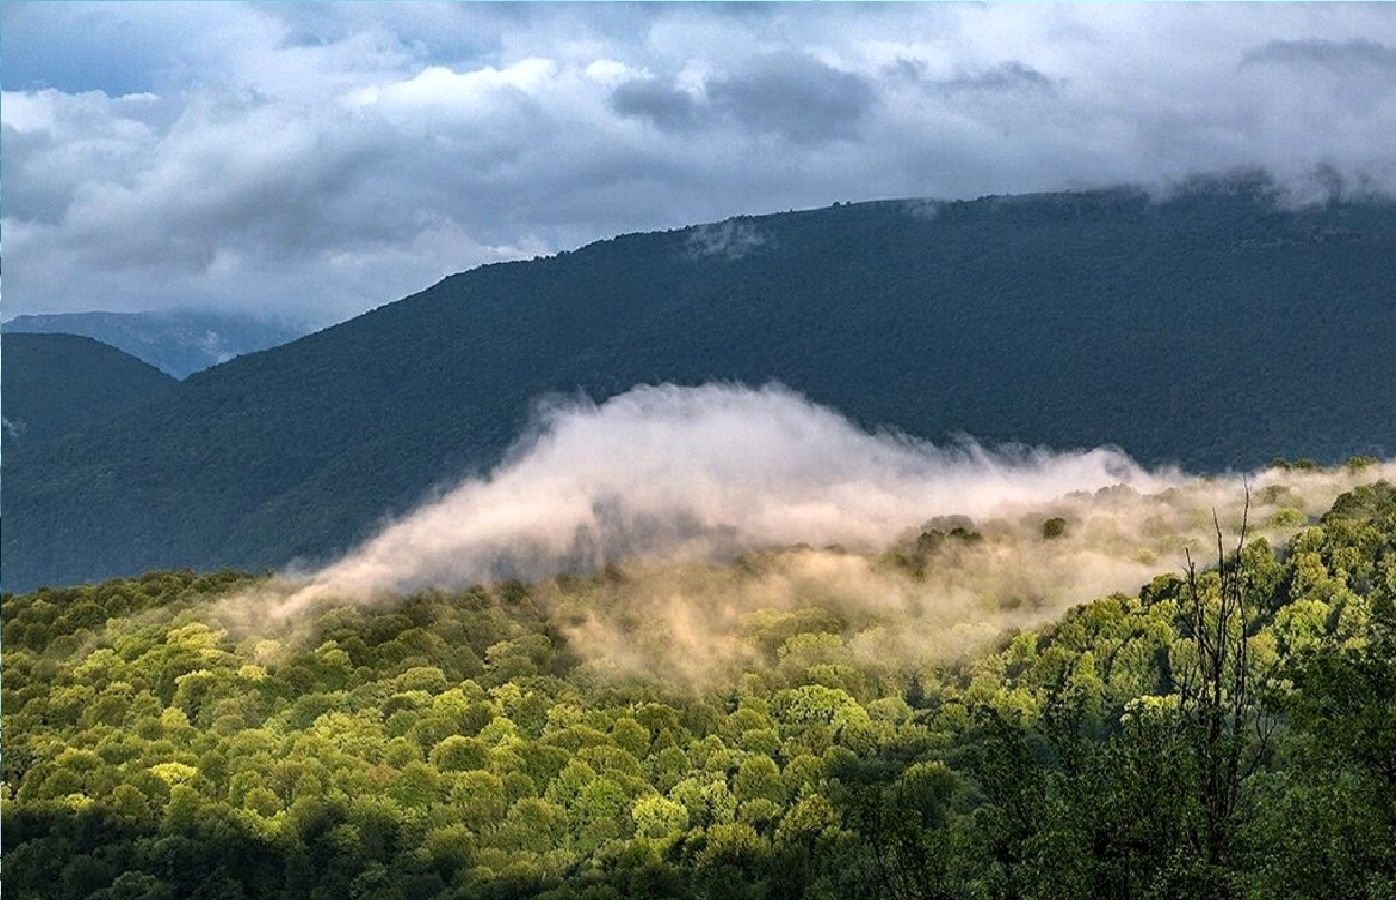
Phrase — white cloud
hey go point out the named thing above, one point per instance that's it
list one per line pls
(345, 155)
(438, 90)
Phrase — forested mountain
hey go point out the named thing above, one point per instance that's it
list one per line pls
(57, 383)
(179, 342)
(1216, 328)
(1220, 735)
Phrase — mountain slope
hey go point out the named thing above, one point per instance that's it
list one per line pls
(179, 342)
(1216, 329)
(57, 383)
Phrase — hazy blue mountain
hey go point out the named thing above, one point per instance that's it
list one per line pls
(56, 383)
(179, 342)
(1217, 329)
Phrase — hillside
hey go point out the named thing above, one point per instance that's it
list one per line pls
(1215, 329)
(57, 383)
(164, 739)
(179, 342)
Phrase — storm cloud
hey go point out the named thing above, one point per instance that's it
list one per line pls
(319, 160)
(1358, 53)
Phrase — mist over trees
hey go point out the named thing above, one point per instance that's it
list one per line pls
(1226, 731)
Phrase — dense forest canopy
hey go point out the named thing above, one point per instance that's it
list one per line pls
(1227, 731)
(1066, 320)
(58, 383)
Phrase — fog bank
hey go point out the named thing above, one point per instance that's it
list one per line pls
(699, 473)
(666, 486)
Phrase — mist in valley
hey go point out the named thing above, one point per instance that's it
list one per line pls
(668, 527)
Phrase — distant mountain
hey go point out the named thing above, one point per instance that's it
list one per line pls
(179, 342)
(1217, 329)
(56, 383)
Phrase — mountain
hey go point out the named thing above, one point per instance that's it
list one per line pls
(1216, 329)
(57, 383)
(179, 342)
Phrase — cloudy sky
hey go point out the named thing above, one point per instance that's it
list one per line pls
(314, 161)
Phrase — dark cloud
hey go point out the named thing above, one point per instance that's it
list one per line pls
(1010, 76)
(788, 94)
(1006, 76)
(1361, 53)
(662, 104)
(796, 96)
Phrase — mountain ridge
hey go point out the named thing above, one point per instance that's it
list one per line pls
(58, 383)
(178, 342)
(1203, 329)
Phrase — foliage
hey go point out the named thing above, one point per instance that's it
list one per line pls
(452, 745)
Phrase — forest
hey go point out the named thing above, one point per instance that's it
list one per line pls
(1228, 730)
(57, 383)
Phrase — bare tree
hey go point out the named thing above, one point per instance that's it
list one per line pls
(1226, 728)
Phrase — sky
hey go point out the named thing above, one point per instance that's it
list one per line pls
(312, 161)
